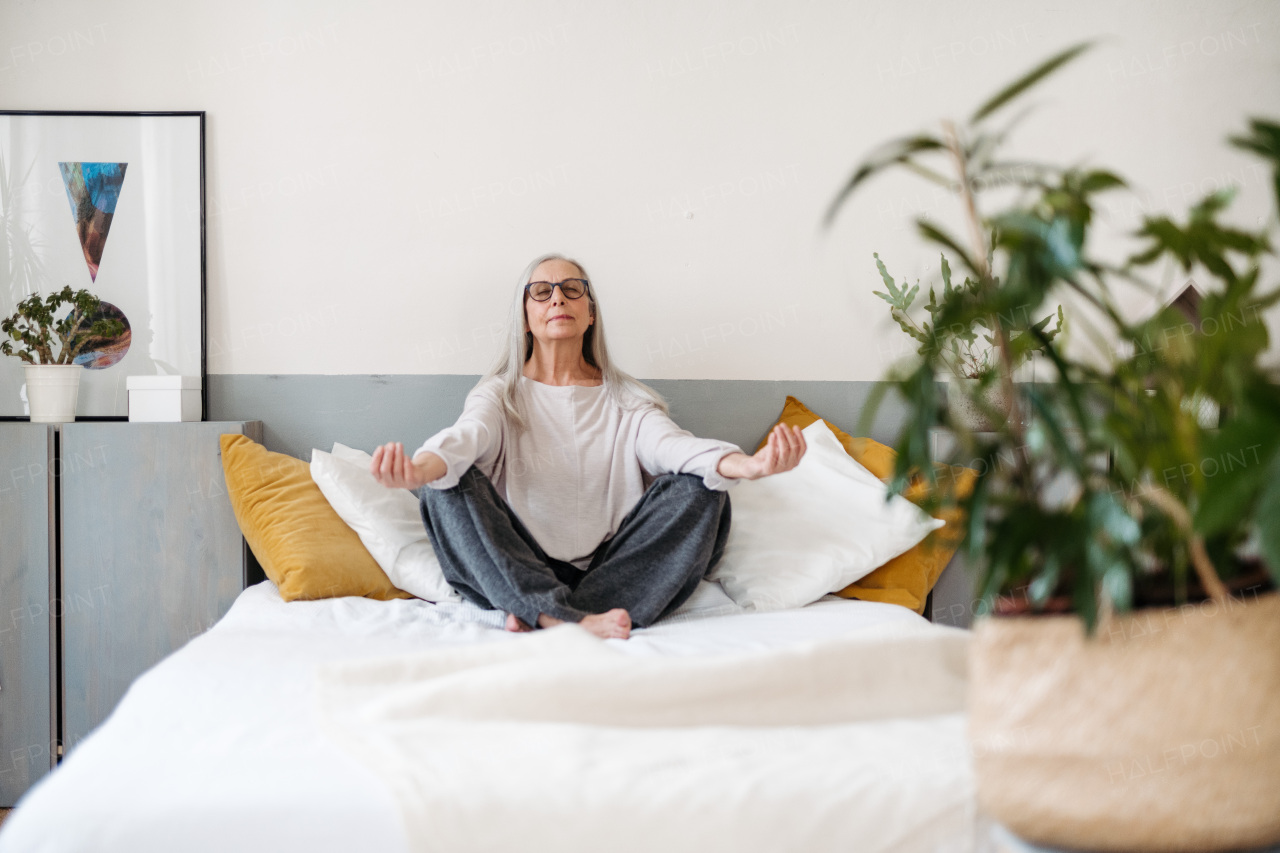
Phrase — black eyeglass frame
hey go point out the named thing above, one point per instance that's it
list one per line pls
(586, 289)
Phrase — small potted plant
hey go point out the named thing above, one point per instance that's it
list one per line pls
(973, 391)
(1125, 682)
(49, 346)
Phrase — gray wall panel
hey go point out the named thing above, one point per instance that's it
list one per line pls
(742, 411)
(303, 411)
(27, 679)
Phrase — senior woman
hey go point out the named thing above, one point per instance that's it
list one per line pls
(535, 500)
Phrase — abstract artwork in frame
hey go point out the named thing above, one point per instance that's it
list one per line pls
(111, 202)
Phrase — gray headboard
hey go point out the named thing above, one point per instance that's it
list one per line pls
(303, 411)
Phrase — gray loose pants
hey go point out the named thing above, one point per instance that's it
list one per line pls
(665, 545)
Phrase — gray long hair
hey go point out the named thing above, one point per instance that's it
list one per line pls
(623, 388)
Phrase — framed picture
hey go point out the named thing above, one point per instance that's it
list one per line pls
(111, 202)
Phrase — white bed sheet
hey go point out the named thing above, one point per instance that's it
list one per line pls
(219, 747)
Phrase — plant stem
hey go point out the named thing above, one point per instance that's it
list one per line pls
(1205, 571)
(972, 219)
(978, 237)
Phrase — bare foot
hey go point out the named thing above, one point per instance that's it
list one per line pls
(516, 624)
(612, 625)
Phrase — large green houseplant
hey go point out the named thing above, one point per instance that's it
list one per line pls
(48, 345)
(1082, 740)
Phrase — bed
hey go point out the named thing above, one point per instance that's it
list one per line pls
(763, 715)
(229, 744)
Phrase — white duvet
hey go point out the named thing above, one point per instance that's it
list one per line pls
(294, 727)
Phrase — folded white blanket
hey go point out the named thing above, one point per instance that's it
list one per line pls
(557, 741)
(567, 675)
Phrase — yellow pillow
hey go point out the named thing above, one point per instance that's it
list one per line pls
(907, 578)
(302, 544)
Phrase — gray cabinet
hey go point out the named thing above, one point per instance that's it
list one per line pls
(145, 554)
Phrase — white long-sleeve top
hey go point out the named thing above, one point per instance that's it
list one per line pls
(578, 467)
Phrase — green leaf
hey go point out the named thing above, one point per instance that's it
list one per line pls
(1165, 237)
(1084, 600)
(1202, 239)
(977, 522)
(927, 173)
(893, 153)
(939, 236)
(1028, 80)
(1049, 421)
(1045, 582)
(1038, 245)
(1099, 180)
(1264, 140)
(1214, 203)
(888, 279)
(879, 390)
(1241, 453)
(1106, 513)
(910, 297)
(1268, 520)
(1117, 583)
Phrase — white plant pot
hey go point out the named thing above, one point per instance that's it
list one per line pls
(52, 390)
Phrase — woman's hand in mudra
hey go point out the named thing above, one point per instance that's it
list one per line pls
(782, 452)
(393, 469)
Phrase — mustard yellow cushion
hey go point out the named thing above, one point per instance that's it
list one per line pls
(302, 544)
(907, 578)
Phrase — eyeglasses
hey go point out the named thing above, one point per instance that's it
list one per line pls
(572, 288)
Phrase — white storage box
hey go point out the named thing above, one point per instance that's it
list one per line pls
(164, 398)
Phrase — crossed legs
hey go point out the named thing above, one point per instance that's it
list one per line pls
(663, 547)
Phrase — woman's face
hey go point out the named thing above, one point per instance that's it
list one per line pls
(558, 318)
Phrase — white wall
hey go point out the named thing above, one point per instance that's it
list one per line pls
(379, 172)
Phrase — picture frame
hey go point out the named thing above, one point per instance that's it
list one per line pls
(113, 202)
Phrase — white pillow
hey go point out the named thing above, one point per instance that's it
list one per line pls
(708, 599)
(351, 454)
(815, 529)
(387, 521)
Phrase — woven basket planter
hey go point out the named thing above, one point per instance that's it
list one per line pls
(1160, 733)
